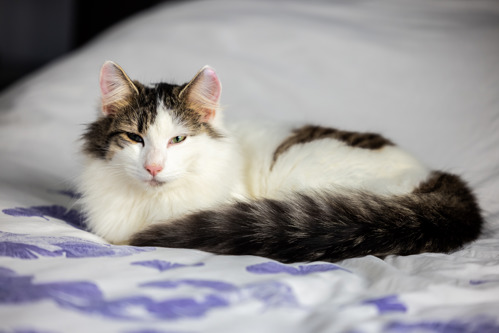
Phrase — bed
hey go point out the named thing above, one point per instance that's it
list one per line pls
(423, 73)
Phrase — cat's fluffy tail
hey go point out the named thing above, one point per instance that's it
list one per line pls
(439, 216)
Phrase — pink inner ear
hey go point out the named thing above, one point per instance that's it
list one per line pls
(213, 83)
(115, 87)
(105, 81)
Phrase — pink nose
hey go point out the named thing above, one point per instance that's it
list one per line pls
(153, 169)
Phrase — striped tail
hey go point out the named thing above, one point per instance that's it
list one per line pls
(440, 215)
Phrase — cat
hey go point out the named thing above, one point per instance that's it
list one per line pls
(162, 169)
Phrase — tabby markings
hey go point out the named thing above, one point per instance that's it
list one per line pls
(311, 133)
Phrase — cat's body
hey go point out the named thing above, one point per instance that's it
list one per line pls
(162, 164)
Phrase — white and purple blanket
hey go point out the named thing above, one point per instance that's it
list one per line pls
(423, 73)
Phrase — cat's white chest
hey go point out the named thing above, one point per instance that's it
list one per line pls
(117, 208)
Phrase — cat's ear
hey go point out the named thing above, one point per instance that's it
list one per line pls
(116, 88)
(202, 93)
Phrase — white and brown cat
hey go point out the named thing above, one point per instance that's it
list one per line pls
(162, 169)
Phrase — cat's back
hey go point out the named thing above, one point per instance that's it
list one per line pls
(279, 159)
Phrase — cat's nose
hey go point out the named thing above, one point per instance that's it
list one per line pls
(153, 169)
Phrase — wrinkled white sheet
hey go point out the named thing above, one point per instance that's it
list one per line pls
(423, 73)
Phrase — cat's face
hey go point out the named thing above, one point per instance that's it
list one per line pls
(153, 135)
(157, 155)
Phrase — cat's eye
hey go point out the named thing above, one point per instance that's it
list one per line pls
(135, 137)
(178, 139)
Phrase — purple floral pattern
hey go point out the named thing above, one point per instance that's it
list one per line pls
(69, 193)
(387, 304)
(162, 265)
(86, 297)
(178, 297)
(480, 282)
(273, 267)
(472, 325)
(210, 284)
(23, 247)
(271, 293)
(71, 216)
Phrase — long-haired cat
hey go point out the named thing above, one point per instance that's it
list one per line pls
(162, 169)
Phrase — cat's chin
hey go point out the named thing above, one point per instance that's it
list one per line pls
(155, 183)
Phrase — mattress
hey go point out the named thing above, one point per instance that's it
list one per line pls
(423, 73)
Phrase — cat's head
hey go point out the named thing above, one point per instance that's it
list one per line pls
(154, 135)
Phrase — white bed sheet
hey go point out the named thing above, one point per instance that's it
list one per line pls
(423, 73)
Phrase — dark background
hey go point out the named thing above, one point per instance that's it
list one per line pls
(33, 32)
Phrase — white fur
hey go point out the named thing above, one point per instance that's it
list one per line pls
(322, 164)
(121, 197)
(203, 172)
(199, 173)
